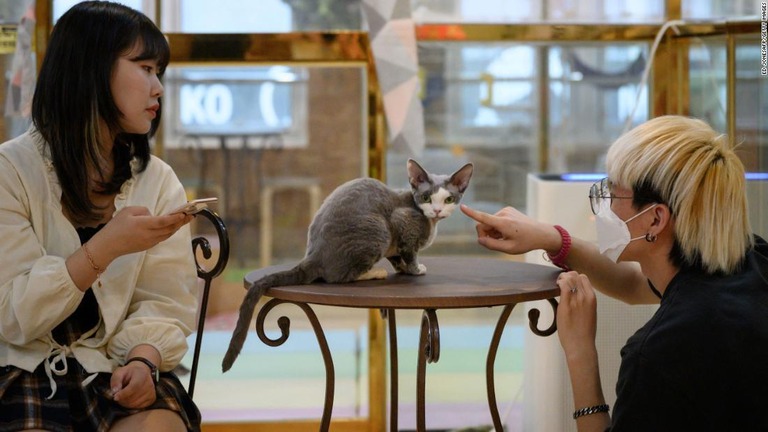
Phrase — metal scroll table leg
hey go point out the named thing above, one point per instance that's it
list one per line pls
(284, 323)
(533, 316)
(389, 315)
(429, 351)
(490, 363)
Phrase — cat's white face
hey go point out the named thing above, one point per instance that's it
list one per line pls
(438, 205)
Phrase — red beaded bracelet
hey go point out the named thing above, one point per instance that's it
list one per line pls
(559, 259)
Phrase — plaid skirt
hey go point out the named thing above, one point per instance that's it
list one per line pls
(75, 408)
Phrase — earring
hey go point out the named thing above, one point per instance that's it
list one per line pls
(650, 238)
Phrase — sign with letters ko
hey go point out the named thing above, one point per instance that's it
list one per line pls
(226, 101)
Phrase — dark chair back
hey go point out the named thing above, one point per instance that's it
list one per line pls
(204, 245)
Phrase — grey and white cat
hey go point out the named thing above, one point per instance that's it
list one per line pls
(358, 224)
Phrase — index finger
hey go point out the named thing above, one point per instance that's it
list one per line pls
(477, 215)
(173, 218)
(486, 222)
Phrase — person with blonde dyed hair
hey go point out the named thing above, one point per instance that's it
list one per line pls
(683, 162)
(674, 202)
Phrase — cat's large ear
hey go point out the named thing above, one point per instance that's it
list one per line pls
(460, 178)
(416, 174)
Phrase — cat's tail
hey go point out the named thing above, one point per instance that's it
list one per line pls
(294, 276)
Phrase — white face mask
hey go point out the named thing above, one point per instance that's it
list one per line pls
(612, 232)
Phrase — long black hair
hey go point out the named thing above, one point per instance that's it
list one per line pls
(73, 96)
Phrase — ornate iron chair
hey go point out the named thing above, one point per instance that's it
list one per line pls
(204, 245)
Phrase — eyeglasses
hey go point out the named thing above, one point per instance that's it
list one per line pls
(600, 191)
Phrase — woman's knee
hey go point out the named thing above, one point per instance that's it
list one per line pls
(156, 420)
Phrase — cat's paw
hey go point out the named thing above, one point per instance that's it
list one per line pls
(422, 269)
(415, 270)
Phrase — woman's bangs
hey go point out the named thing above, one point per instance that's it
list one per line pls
(154, 46)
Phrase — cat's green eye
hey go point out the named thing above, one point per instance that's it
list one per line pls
(450, 200)
(426, 198)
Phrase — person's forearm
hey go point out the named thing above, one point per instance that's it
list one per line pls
(587, 390)
(87, 263)
(623, 281)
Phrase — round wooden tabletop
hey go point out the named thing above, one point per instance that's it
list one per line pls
(450, 282)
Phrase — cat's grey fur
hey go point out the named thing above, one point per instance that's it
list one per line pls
(361, 222)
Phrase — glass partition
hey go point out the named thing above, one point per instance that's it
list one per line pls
(17, 63)
(483, 103)
(718, 9)
(709, 99)
(501, 11)
(238, 131)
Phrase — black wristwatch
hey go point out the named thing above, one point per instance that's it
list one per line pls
(152, 368)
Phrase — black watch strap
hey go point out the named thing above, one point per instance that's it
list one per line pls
(152, 368)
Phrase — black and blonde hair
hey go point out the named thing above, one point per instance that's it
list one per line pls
(685, 164)
(73, 96)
